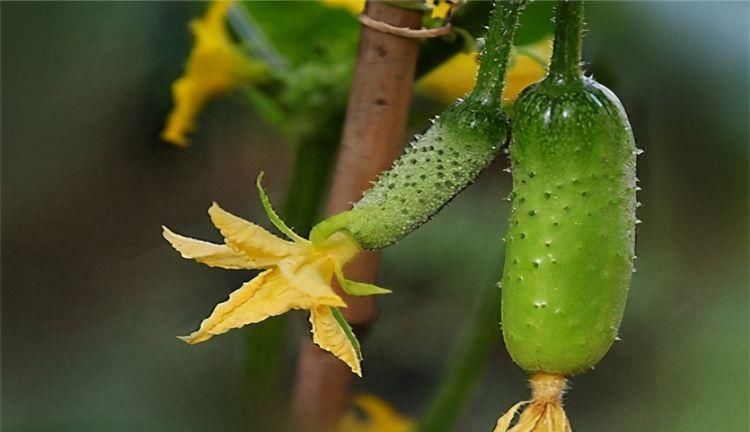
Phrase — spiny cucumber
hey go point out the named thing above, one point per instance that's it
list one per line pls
(570, 243)
(440, 163)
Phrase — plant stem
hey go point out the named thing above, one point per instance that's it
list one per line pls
(372, 138)
(264, 352)
(313, 165)
(481, 333)
(566, 54)
(495, 56)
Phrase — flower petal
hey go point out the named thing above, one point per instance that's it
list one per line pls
(188, 101)
(370, 413)
(503, 423)
(249, 238)
(216, 65)
(311, 278)
(268, 294)
(329, 335)
(214, 255)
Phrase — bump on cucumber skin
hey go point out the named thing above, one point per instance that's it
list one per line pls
(433, 169)
(570, 242)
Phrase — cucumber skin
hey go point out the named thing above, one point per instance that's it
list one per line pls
(570, 243)
(433, 169)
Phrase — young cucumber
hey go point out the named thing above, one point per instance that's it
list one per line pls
(442, 161)
(570, 243)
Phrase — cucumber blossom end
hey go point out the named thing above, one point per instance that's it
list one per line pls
(544, 412)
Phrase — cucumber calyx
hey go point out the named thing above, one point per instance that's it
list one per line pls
(544, 412)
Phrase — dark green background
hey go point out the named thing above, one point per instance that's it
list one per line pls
(92, 297)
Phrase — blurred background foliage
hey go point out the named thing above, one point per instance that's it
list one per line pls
(92, 296)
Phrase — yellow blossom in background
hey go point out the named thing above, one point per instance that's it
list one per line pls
(353, 6)
(442, 8)
(372, 414)
(297, 275)
(216, 65)
(456, 77)
(452, 79)
(529, 66)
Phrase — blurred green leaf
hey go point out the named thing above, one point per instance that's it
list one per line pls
(304, 32)
(314, 94)
(536, 22)
(318, 60)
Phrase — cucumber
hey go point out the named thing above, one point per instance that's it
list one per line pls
(442, 161)
(570, 242)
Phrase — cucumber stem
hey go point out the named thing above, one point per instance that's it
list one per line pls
(566, 54)
(495, 56)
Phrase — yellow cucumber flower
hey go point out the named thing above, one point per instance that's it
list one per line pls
(216, 65)
(456, 77)
(297, 275)
(372, 414)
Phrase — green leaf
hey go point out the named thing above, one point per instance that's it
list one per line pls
(536, 23)
(316, 46)
(271, 213)
(347, 331)
(306, 31)
(268, 107)
(252, 38)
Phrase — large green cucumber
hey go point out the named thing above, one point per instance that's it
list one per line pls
(570, 242)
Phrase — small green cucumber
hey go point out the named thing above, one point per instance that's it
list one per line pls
(442, 161)
(570, 242)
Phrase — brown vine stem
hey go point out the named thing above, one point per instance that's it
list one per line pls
(372, 138)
